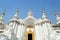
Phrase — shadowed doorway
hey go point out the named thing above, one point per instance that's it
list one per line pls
(29, 36)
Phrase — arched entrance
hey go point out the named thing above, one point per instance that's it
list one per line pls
(29, 33)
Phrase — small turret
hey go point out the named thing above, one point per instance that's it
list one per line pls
(2, 17)
(15, 17)
(43, 14)
(2, 22)
(57, 17)
(44, 18)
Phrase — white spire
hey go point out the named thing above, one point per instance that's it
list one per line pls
(57, 17)
(43, 14)
(2, 16)
(16, 14)
(29, 13)
(44, 18)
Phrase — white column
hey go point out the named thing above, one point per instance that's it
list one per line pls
(38, 32)
(21, 32)
(12, 33)
(45, 31)
(15, 27)
(41, 32)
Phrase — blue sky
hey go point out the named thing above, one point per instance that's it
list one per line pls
(34, 5)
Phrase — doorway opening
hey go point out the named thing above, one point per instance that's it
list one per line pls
(29, 36)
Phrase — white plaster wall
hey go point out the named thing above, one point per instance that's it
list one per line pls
(23, 32)
(12, 27)
(8, 30)
(41, 32)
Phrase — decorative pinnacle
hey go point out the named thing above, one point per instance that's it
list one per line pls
(2, 16)
(56, 13)
(16, 14)
(17, 11)
(29, 13)
(3, 13)
(43, 14)
(42, 10)
(57, 17)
